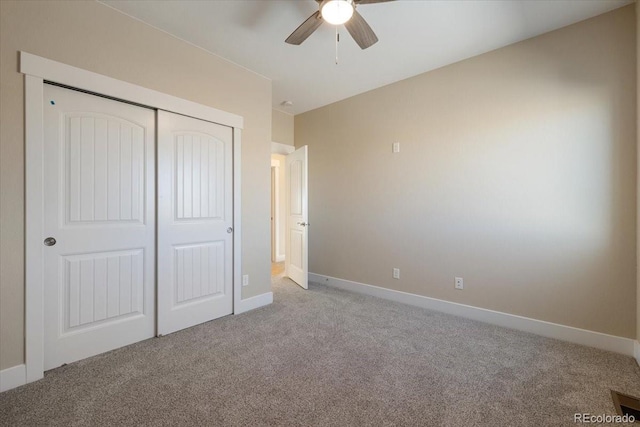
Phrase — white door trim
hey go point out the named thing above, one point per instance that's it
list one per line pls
(237, 222)
(78, 78)
(37, 70)
(275, 206)
(34, 187)
(279, 148)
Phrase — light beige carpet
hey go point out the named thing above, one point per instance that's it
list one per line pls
(328, 357)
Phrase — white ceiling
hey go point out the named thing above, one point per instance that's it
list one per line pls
(415, 36)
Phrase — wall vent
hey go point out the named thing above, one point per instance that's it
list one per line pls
(626, 405)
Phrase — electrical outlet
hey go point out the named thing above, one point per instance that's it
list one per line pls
(396, 273)
(245, 280)
(396, 147)
(459, 283)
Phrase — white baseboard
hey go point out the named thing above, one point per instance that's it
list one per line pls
(636, 351)
(13, 377)
(254, 302)
(539, 327)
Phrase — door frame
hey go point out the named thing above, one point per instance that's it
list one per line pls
(280, 244)
(37, 71)
(275, 211)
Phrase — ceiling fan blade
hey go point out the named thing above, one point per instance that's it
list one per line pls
(371, 1)
(361, 31)
(305, 29)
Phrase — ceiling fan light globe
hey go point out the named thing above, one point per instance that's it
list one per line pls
(336, 12)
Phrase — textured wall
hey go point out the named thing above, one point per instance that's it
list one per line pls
(517, 171)
(92, 36)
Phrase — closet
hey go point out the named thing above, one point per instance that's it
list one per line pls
(137, 223)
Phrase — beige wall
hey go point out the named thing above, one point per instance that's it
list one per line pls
(282, 127)
(517, 172)
(94, 37)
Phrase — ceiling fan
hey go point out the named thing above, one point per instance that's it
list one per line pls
(337, 12)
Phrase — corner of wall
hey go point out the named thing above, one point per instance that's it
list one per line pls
(254, 302)
(282, 126)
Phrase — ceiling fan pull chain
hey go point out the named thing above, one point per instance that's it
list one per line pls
(337, 41)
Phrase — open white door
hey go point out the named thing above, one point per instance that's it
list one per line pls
(195, 220)
(297, 247)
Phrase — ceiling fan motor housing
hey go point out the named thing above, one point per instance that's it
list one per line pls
(344, 13)
(336, 12)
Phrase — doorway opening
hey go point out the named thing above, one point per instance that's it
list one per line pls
(277, 219)
(290, 220)
(279, 154)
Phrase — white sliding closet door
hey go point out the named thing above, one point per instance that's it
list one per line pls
(195, 220)
(99, 225)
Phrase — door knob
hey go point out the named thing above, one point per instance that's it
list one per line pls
(49, 241)
(229, 230)
(304, 224)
